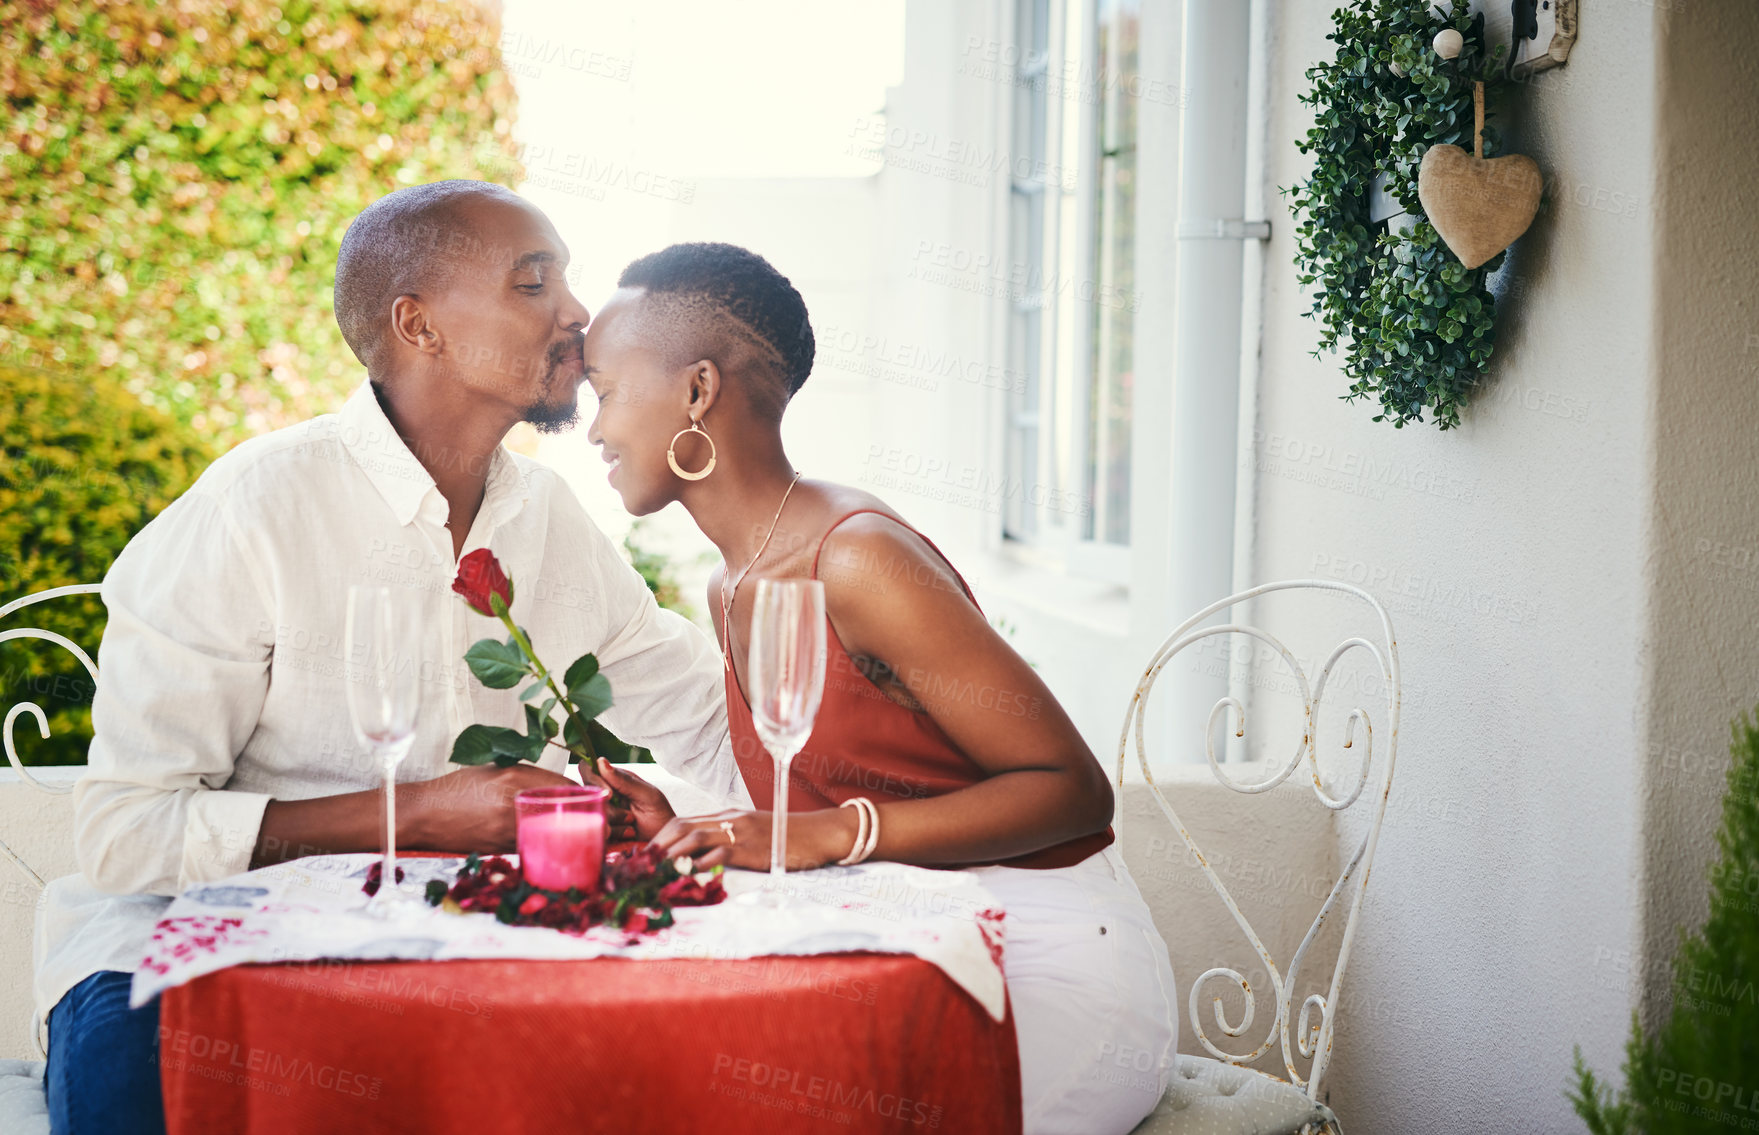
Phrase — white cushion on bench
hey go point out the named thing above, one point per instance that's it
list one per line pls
(24, 1109)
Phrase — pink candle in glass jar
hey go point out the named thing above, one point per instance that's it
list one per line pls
(562, 836)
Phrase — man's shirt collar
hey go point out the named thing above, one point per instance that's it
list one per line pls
(400, 477)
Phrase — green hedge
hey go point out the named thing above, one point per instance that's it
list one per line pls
(84, 467)
(177, 179)
(174, 182)
(656, 570)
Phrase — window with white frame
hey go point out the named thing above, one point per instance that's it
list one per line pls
(1071, 231)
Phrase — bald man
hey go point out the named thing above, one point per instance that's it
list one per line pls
(222, 740)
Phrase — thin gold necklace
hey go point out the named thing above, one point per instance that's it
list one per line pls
(728, 597)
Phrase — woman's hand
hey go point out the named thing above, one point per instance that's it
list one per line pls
(648, 810)
(742, 839)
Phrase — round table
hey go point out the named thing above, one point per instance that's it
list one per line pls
(838, 1042)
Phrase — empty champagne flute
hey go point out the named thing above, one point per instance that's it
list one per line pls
(786, 671)
(382, 641)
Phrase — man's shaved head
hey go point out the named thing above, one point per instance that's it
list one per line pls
(729, 305)
(409, 242)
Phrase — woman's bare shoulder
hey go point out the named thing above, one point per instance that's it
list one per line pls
(838, 501)
(866, 557)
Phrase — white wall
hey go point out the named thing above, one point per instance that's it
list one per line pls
(1701, 638)
(1557, 570)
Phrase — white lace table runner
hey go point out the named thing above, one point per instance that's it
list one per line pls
(311, 909)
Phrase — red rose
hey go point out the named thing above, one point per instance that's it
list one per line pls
(479, 577)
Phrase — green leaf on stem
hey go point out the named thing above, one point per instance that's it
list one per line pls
(532, 690)
(481, 744)
(577, 740)
(472, 748)
(583, 669)
(495, 664)
(539, 724)
(591, 697)
(616, 750)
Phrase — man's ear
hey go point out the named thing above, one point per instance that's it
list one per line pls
(410, 326)
(705, 387)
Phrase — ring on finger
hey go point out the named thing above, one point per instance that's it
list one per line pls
(727, 826)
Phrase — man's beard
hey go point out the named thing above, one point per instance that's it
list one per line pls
(550, 417)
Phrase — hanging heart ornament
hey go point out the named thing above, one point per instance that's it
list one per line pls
(1478, 205)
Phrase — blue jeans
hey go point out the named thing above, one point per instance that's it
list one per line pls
(103, 1073)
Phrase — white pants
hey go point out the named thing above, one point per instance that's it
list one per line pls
(1091, 987)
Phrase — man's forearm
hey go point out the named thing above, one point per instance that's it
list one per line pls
(326, 825)
(467, 810)
(353, 821)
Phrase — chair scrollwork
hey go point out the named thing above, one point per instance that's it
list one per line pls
(1313, 1023)
(31, 708)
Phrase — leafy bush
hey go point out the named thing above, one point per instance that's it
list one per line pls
(1416, 326)
(656, 570)
(1700, 1071)
(177, 179)
(85, 467)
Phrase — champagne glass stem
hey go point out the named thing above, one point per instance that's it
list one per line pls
(779, 820)
(388, 873)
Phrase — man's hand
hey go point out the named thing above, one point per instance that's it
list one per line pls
(648, 811)
(468, 810)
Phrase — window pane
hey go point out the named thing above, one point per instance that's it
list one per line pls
(1113, 277)
(1026, 227)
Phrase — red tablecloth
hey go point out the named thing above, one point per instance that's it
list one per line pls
(845, 1042)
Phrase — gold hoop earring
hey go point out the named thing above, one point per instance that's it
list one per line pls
(672, 453)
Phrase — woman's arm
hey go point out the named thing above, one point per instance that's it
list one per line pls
(899, 608)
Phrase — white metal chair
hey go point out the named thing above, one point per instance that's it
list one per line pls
(1223, 1094)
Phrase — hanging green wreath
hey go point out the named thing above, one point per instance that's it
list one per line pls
(1416, 326)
